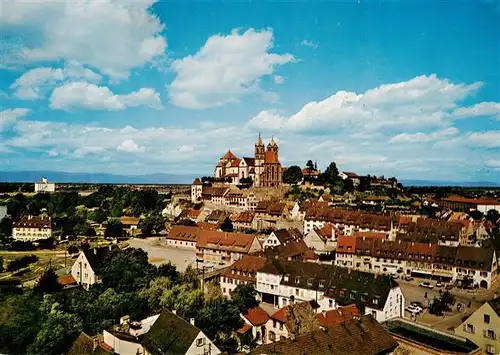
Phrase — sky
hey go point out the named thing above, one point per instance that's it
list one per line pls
(397, 88)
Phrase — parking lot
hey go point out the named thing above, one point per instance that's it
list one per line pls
(159, 253)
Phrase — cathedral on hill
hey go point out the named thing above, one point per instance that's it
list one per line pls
(264, 168)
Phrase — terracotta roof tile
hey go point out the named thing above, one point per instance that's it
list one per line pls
(66, 280)
(229, 156)
(184, 233)
(256, 315)
(339, 315)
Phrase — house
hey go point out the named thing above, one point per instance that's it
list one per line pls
(86, 345)
(483, 327)
(322, 240)
(242, 272)
(189, 213)
(183, 237)
(293, 250)
(416, 338)
(44, 186)
(291, 320)
(364, 336)
(171, 334)
(217, 217)
(281, 282)
(217, 248)
(162, 334)
(458, 203)
(254, 328)
(32, 228)
(267, 213)
(479, 264)
(282, 237)
(196, 190)
(344, 175)
(86, 269)
(130, 225)
(335, 316)
(242, 220)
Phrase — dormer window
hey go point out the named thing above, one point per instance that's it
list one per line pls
(321, 283)
(309, 282)
(286, 278)
(297, 279)
(375, 300)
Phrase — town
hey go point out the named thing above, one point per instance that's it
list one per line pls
(256, 258)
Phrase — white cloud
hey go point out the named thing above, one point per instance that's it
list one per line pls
(9, 116)
(53, 153)
(424, 101)
(480, 109)
(113, 36)
(307, 43)
(424, 137)
(278, 79)
(225, 69)
(268, 120)
(83, 151)
(493, 163)
(488, 139)
(90, 96)
(130, 146)
(34, 83)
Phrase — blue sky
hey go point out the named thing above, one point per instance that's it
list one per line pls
(404, 88)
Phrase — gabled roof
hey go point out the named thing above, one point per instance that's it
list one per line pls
(229, 155)
(84, 345)
(346, 244)
(67, 280)
(33, 222)
(242, 217)
(235, 163)
(339, 315)
(256, 315)
(495, 304)
(184, 233)
(474, 258)
(129, 221)
(170, 334)
(249, 161)
(350, 174)
(287, 235)
(96, 256)
(354, 337)
(245, 268)
(218, 240)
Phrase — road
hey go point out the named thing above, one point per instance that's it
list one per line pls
(159, 253)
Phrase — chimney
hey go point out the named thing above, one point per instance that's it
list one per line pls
(191, 320)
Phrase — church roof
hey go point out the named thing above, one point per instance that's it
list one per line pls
(259, 142)
(271, 157)
(229, 155)
(272, 143)
(196, 182)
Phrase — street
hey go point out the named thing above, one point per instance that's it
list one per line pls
(159, 253)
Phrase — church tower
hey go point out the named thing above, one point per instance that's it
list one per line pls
(272, 146)
(259, 160)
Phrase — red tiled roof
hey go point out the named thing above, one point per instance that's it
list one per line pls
(33, 222)
(243, 217)
(218, 240)
(374, 235)
(476, 201)
(207, 226)
(339, 315)
(244, 329)
(229, 155)
(350, 174)
(280, 314)
(346, 244)
(129, 221)
(271, 157)
(66, 280)
(256, 316)
(235, 163)
(193, 213)
(184, 233)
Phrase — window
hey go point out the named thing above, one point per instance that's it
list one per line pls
(490, 349)
(375, 300)
(490, 334)
(297, 279)
(330, 303)
(281, 326)
(469, 328)
(487, 318)
(309, 282)
(274, 323)
(272, 336)
(296, 291)
(200, 342)
(321, 283)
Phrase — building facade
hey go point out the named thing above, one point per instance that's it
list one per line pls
(32, 228)
(44, 186)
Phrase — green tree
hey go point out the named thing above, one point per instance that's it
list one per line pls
(243, 297)
(114, 228)
(5, 227)
(227, 225)
(493, 216)
(20, 319)
(127, 270)
(212, 292)
(310, 165)
(48, 282)
(17, 206)
(169, 270)
(292, 175)
(331, 174)
(81, 213)
(116, 209)
(98, 215)
(84, 228)
(152, 224)
(56, 334)
(153, 293)
(220, 316)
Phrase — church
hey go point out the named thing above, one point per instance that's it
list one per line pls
(264, 169)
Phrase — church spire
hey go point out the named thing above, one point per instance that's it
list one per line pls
(259, 141)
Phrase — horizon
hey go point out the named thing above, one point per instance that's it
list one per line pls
(402, 89)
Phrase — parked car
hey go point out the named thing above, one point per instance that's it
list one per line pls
(426, 284)
(439, 284)
(408, 278)
(413, 310)
(418, 304)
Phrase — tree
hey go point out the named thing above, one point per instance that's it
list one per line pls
(99, 215)
(127, 270)
(227, 225)
(48, 282)
(243, 297)
(447, 299)
(73, 249)
(310, 165)
(56, 334)
(152, 224)
(116, 209)
(153, 293)
(220, 316)
(21, 262)
(331, 174)
(83, 228)
(114, 228)
(292, 175)
(493, 216)
(6, 227)
(169, 270)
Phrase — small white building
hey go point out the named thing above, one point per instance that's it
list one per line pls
(282, 237)
(86, 269)
(196, 189)
(44, 186)
(322, 240)
(32, 228)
